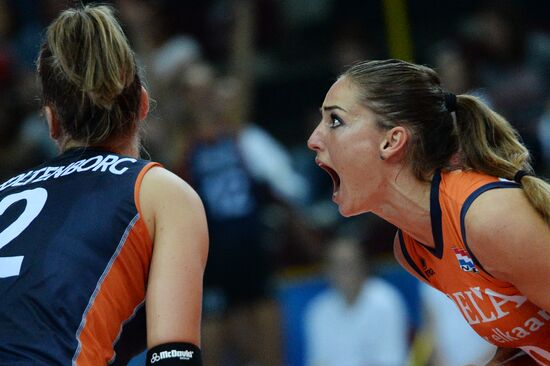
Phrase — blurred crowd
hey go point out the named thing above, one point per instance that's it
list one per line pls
(236, 86)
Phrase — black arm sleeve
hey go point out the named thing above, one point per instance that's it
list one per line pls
(174, 354)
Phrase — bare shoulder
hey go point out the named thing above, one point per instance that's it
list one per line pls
(166, 199)
(503, 227)
(505, 233)
(161, 182)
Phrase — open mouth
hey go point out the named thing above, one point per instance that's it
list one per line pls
(335, 177)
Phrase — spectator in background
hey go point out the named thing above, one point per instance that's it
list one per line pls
(237, 169)
(455, 69)
(360, 320)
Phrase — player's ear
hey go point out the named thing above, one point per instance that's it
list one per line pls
(394, 143)
(53, 122)
(143, 104)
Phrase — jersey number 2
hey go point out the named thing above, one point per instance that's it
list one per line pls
(36, 199)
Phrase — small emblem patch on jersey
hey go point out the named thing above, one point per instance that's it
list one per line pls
(464, 260)
(429, 272)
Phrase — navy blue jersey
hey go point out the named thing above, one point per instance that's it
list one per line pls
(238, 267)
(222, 180)
(230, 193)
(74, 258)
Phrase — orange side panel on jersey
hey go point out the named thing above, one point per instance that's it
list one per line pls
(121, 291)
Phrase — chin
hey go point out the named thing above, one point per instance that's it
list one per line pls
(349, 211)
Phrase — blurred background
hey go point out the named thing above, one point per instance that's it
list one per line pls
(236, 86)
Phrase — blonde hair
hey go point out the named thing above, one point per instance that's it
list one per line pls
(491, 145)
(89, 75)
(402, 93)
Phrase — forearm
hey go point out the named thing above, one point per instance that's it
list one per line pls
(511, 357)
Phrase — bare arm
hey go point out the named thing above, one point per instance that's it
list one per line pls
(512, 242)
(175, 218)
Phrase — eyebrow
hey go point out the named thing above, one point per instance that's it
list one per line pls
(331, 108)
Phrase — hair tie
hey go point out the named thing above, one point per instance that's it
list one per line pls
(450, 102)
(520, 174)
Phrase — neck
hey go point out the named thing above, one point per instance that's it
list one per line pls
(122, 146)
(351, 297)
(407, 206)
(351, 294)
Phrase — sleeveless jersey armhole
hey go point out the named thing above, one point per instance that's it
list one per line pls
(471, 198)
(137, 189)
(408, 259)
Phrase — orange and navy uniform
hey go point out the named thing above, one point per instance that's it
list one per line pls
(74, 258)
(496, 310)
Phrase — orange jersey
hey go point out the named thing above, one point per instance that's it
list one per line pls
(495, 309)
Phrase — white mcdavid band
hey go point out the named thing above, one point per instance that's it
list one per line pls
(174, 354)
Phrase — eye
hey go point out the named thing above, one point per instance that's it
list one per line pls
(335, 121)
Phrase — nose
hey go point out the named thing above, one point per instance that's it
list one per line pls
(314, 142)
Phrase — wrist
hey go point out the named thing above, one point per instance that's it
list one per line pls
(174, 354)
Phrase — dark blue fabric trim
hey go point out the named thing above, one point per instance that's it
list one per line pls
(468, 203)
(408, 257)
(435, 215)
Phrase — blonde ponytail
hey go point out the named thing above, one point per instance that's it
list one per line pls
(538, 193)
(92, 52)
(489, 144)
(89, 74)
